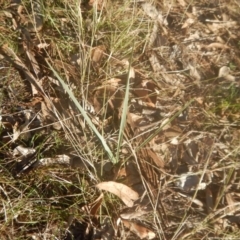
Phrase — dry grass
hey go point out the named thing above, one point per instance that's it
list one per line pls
(144, 94)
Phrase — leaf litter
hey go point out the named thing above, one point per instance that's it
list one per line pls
(158, 126)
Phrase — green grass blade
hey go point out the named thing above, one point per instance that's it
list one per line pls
(124, 110)
(83, 112)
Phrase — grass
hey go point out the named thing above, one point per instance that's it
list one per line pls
(114, 75)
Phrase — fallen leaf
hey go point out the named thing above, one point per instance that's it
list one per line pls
(200, 100)
(156, 159)
(133, 120)
(139, 230)
(182, 3)
(97, 55)
(97, 3)
(108, 95)
(127, 195)
(33, 61)
(48, 114)
(93, 207)
(146, 92)
(223, 71)
(188, 23)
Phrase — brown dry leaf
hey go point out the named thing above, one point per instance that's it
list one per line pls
(157, 160)
(47, 111)
(100, 4)
(97, 54)
(188, 23)
(121, 173)
(139, 230)
(108, 94)
(127, 195)
(182, 3)
(148, 153)
(93, 207)
(132, 175)
(200, 100)
(33, 61)
(132, 120)
(146, 92)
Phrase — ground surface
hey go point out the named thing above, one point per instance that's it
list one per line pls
(119, 119)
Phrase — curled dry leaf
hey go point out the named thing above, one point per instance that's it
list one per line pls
(93, 207)
(139, 230)
(127, 195)
(224, 72)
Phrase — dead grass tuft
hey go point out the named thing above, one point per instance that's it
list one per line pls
(119, 119)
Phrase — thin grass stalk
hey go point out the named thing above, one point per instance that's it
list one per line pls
(85, 116)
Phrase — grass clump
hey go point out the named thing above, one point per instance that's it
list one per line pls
(96, 91)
